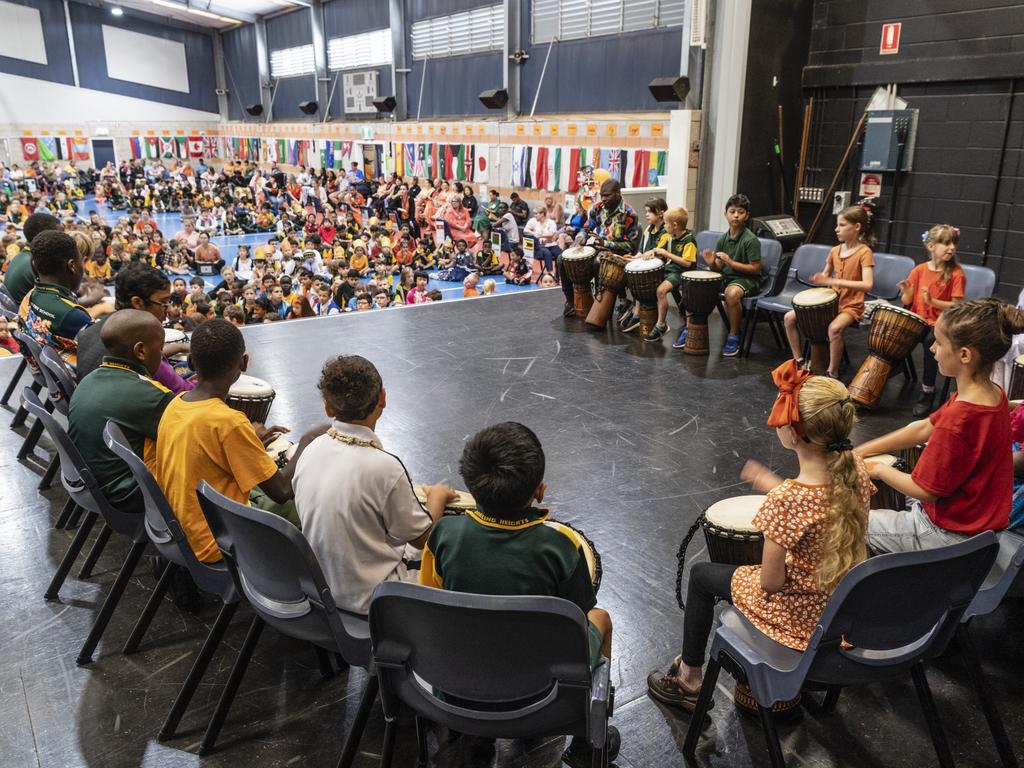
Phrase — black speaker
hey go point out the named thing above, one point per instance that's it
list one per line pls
(494, 99)
(385, 104)
(308, 107)
(670, 88)
(255, 109)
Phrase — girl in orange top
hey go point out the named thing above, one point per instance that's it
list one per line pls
(849, 271)
(930, 288)
(815, 529)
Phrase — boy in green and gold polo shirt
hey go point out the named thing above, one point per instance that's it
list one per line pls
(20, 278)
(503, 547)
(737, 256)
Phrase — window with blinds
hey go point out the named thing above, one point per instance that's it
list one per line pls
(370, 49)
(481, 29)
(292, 62)
(573, 19)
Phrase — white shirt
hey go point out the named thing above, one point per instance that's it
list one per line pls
(358, 511)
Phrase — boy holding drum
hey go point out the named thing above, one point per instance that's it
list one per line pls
(679, 254)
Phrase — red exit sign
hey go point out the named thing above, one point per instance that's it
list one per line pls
(890, 38)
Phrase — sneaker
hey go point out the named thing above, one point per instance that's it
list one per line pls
(656, 333)
(680, 341)
(625, 318)
(623, 312)
(568, 310)
(631, 324)
(579, 752)
(803, 365)
(732, 346)
(665, 687)
(924, 404)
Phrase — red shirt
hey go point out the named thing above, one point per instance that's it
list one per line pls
(922, 277)
(968, 465)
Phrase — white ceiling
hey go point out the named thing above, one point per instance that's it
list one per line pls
(231, 12)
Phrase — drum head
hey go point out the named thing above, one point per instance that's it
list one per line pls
(701, 274)
(882, 309)
(463, 501)
(814, 297)
(173, 335)
(1019, 361)
(644, 265)
(736, 514)
(579, 252)
(250, 386)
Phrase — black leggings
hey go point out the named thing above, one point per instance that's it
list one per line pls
(931, 368)
(708, 582)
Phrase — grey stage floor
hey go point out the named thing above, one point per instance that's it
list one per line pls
(639, 439)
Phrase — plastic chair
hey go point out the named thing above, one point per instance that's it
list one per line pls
(980, 283)
(807, 260)
(82, 486)
(60, 385)
(488, 689)
(274, 567)
(774, 268)
(9, 312)
(895, 610)
(30, 352)
(890, 270)
(170, 541)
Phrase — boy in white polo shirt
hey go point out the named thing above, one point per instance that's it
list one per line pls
(355, 500)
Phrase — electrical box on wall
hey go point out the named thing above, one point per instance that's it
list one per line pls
(886, 130)
(840, 200)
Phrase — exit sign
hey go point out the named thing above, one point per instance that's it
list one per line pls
(890, 38)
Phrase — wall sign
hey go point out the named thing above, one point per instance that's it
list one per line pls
(890, 38)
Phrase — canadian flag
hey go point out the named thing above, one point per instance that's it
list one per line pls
(195, 146)
(30, 149)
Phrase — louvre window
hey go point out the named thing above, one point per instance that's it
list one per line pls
(292, 62)
(569, 19)
(481, 29)
(370, 49)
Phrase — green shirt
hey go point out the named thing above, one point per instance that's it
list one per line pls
(50, 314)
(19, 277)
(745, 249)
(120, 391)
(685, 247)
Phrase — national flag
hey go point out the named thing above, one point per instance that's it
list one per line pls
(47, 148)
(656, 168)
(337, 154)
(194, 146)
(410, 160)
(30, 149)
(556, 172)
(281, 153)
(481, 165)
(80, 148)
(60, 145)
(552, 168)
(254, 148)
(346, 150)
(459, 158)
(152, 147)
(166, 146)
(136, 147)
(572, 178)
(420, 166)
(272, 151)
(211, 146)
(328, 154)
(623, 174)
(398, 157)
(449, 162)
(434, 171)
(468, 161)
(181, 147)
(641, 159)
(540, 167)
(527, 169)
(518, 158)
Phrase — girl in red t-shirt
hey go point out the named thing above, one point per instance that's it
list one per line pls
(931, 287)
(963, 481)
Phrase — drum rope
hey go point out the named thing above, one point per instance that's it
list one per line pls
(681, 561)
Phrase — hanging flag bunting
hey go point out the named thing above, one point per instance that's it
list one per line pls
(540, 167)
(552, 168)
(338, 163)
(181, 147)
(30, 149)
(481, 166)
(527, 170)
(468, 161)
(572, 177)
(136, 147)
(518, 159)
(410, 159)
(419, 167)
(166, 146)
(47, 148)
(195, 146)
(211, 146)
(61, 148)
(152, 147)
(641, 159)
(328, 154)
(281, 155)
(556, 170)
(80, 148)
(459, 158)
(656, 168)
(434, 171)
(623, 167)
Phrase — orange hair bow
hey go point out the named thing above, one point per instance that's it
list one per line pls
(788, 377)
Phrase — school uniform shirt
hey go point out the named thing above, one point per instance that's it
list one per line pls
(922, 278)
(685, 247)
(207, 440)
(652, 237)
(121, 391)
(851, 268)
(50, 314)
(358, 511)
(968, 465)
(19, 277)
(744, 249)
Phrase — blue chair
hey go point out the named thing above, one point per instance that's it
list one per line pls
(170, 541)
(980, 283)
(488, 688)
(895, 610)
(807, 260)
(275, 569)
(774, 270)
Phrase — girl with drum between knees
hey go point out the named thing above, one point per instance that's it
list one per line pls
(962, 483)
(814, 532)
(931, 287)
(849, 271)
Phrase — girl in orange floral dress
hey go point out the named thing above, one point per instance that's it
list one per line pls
(814, 526)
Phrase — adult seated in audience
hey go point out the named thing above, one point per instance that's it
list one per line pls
(208, 253)
(139, 287)
(121, 389)
(355, 500)
(519, 208)
(544, 232)
(188, 235)
(19, 277)
(202, 438)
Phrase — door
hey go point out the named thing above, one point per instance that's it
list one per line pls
(103, 153)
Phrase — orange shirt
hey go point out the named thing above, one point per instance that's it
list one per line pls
(922, 277)
(851, 268)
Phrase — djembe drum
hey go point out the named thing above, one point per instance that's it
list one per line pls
(1016, 391)
(700, 289)
(885, 496)
(611, 279)
(251, 396)
(643, 276)
(579, 268)
(815, 309)
(893, 334)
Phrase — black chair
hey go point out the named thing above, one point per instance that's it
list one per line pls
(81, 485)
(9, 313)
(487, 688)
(60, 385)
(895, 611)
(30, 352)
(276, 570)
(170, 541)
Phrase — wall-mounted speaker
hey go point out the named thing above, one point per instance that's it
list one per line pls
(494, 99)
(308, 107)
(255, 109)
(670, 88)
(385, 104)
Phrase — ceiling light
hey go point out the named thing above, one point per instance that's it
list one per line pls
(115, 11)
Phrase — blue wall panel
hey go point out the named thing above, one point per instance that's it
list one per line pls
(55, 38)
(350, 17)
(87, 23)
(241, 70)
(289, 30)
(453, 84)
(290, 91)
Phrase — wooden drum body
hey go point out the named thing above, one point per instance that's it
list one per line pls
(579, 267)
(643, 276)
(253, 397)
(730, 533)
(893, 334)
(700, 289)
(815, 309)
(611, 279)
(885, 496)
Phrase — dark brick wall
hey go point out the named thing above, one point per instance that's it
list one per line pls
(958, 161)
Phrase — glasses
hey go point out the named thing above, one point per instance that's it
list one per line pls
(165, 303)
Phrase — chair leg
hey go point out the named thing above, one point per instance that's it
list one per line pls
(152, 605)
(51, 472)
(70, 556)
(22, 413)
(771, 736)
(111, 601)
(388, 753)
(227, 697)
(76, 516)
(422, 757)
(19, 371)
(747, 333)
(340, 661)
(723, 314)
(701, 710)
(65, 514)
(324, 660)
(988, 704)
(931, 715)
(831, 700)
(94, 553)
(34, 433)
(195, 674)
(348, 754)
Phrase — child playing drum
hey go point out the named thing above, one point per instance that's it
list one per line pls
(849, 270)
(931, 287)
(814, 532)
(679, 254)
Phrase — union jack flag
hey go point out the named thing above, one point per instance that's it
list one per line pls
(614, 163)
(211, 146)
